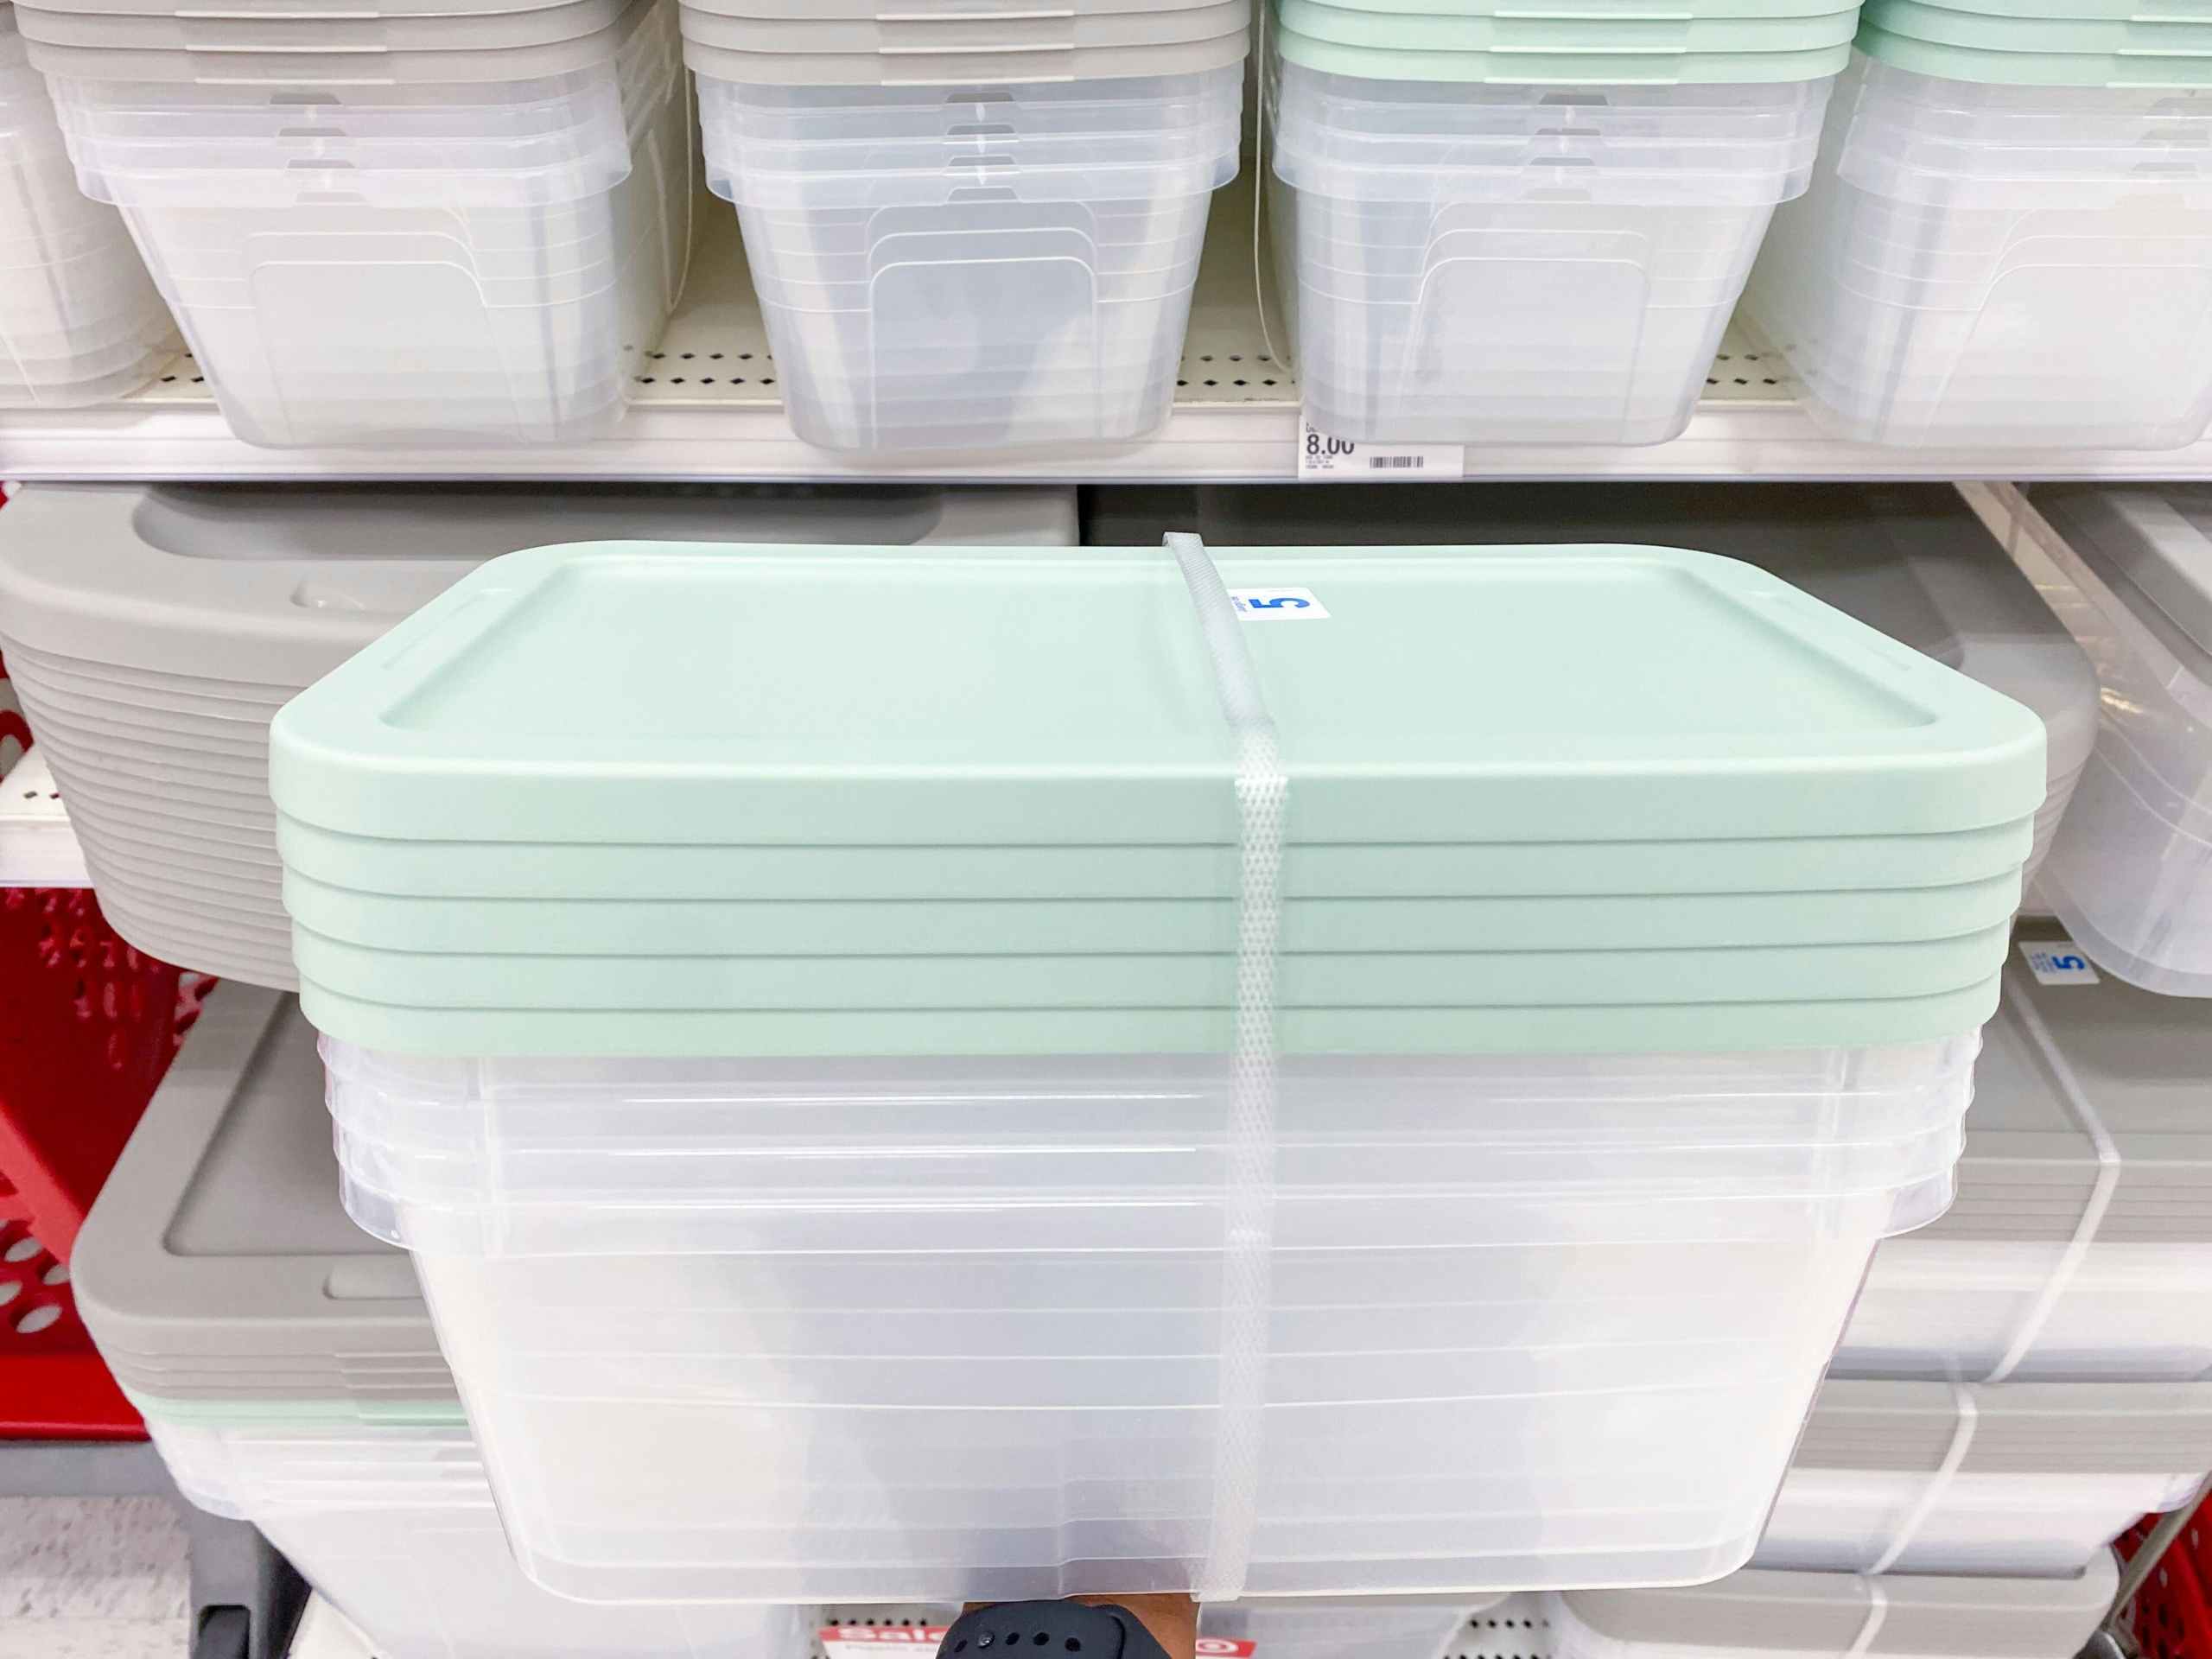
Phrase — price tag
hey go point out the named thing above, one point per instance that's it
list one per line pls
(2057, 962)
(1320, 455)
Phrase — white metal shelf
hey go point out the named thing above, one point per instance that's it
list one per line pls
(37, 846)
(705, 407)
(1515, 1629)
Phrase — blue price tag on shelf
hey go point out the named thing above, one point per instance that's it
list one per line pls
(2057, 962)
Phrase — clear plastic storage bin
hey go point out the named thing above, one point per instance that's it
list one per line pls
(1999, 265)
(2033, 1479)
(997, 266)
(80, 321)
(425, 257)
(1499, 264)
(2131, 873)
(2081, 1235)
(1373, 1627)
(392, 1522)
(953, 1329)
(1775, 1615)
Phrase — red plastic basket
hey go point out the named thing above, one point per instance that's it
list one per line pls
(2172, 1617)
(90, 1026)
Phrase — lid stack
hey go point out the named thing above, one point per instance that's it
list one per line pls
(1445, 288)
(971, 226)
(79, 321)
(115, 599)
(1992, 177)
(865, 936)
(486, 219)
(1911, 560)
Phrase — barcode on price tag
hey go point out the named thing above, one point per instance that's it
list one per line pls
(921, 1640)
(1320, 455)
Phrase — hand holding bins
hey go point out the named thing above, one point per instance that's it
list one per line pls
(991, 1188)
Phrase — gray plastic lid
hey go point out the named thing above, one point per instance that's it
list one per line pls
(155, 26)
(713, 48)
(220, 1235)
(2152, 544)
(2018, 1428)
(1823, 1613)
(929, 39)
(277, 584)
(49, 42)
(2136, 1062)
(1911, 560)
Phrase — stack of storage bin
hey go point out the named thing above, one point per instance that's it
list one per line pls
(1508, 225)
(2009, 236)
(1760, 1615)
(286, 1369)
(154, 630)
(971, 226)
(392, 227)
(711, 1160)
(79, 321)
(1911, 560)
(2131, 873)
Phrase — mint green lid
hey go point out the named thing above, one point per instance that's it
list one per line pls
(647, 693)
(1561, 68)
(562, 870)
(1516, 32)
(1642, 1028)
(2142, 11)
(685, 927)
(1603, 10)
(1434, 979)
(2131, 37)
(1996, 66)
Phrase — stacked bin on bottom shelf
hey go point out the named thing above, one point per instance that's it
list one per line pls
(2081, 1230)
(79, 319)
(971, 231)
(1764, 1615)
(2002, 247)
(1531, 228)
(1544, 1221)
(2131, 873)
(478, 232)
(288, 1373)
(156, 630)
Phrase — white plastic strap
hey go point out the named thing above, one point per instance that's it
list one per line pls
(2093, 1213)
(1248, 1196)
(1963, 1430)
(1877, 1614)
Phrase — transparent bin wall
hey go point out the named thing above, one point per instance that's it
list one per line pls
(717, 1467)
(405, 1541)
(1379, 1627)
(325, 322)
(1939, 1308)
(1493, 272)
(1917, 308)
(80, 320)
(957, 291)
(942, 1330)
(2130, 872)
(2040, 1525)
